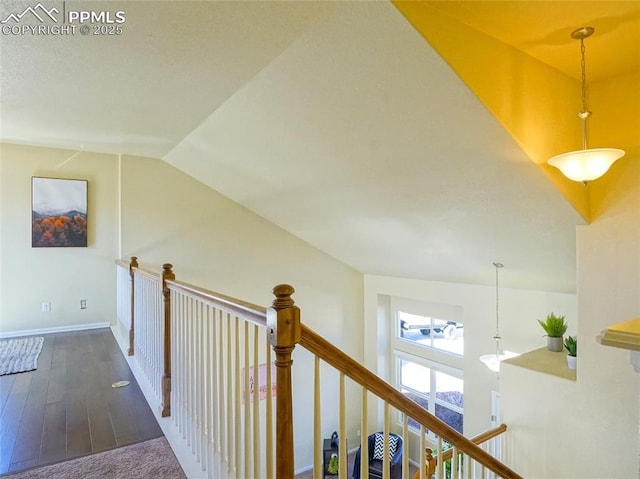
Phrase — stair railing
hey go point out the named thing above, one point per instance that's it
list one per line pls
(392, 398)
(209, 359)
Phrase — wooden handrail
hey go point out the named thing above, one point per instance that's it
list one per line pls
(479, 439)
(490, 434)
(284, 331)
(251, 312)
(133, 265)
(149, 274)
(319, 346)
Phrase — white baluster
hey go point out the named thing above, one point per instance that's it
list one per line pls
(318, 458)
(342, 434)
(364, 435)
(247, 403)
(237, 378)
(257, 455)
(270, 454)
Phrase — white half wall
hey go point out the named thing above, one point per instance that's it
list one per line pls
(560, 429)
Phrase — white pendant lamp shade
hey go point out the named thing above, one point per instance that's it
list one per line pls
(586, 165)
(492, 361)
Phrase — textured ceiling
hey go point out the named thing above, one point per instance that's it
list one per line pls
(143, 91)
(334, 120)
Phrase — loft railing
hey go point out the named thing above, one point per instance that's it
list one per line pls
(200, 353)
(208, 358)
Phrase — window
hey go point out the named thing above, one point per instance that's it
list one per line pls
(445, 335)
(428, 350)
(442, 394)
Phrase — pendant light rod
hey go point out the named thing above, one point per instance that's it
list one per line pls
(585, 164)
(492, 361)
(497, 336)
(584, 114)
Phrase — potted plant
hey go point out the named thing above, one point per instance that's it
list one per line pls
(555, 327)
(571, 345)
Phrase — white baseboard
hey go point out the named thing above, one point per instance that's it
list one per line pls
(59, 329)
(303, 469)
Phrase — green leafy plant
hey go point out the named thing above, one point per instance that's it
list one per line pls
(571, 345)
(447, 464)
(554, 326)
(332, 468)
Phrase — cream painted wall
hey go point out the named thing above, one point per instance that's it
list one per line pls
(519, 329)
(168, 216)
(588, 428)
(213, 242)
(1, 236)
(62, 276)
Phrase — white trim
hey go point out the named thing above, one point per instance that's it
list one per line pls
(120, 205)
(495, 409)
(58, 329)
(439, 366)
(444, 312)
(303, 469)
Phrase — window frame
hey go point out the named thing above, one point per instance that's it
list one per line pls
(431, 397)
(444, 312)
(436, 360)
(433, 321)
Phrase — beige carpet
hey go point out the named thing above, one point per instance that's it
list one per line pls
(149, 459)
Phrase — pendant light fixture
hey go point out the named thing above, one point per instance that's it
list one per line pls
(585, 164)
(492, 361)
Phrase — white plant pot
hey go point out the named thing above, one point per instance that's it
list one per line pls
(572, 362)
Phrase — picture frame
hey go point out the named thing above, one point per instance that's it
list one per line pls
(58, 212)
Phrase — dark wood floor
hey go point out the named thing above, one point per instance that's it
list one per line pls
(67, 407)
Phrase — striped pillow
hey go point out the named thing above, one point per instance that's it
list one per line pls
(378, 446)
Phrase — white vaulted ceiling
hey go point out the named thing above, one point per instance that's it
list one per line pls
(334, 120)
(144, 91)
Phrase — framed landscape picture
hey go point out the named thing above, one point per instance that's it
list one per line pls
(58, 212)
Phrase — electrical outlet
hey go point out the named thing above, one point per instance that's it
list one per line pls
(358, 432)
(46, 307)
(83, 304)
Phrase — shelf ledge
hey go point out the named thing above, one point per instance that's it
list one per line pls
(544, 361)
(625, 335)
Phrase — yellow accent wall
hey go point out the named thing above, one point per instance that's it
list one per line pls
(617, 123)
(535, 103)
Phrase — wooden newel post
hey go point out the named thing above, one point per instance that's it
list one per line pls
(167, 274)
(133, 264)
(283, 325)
